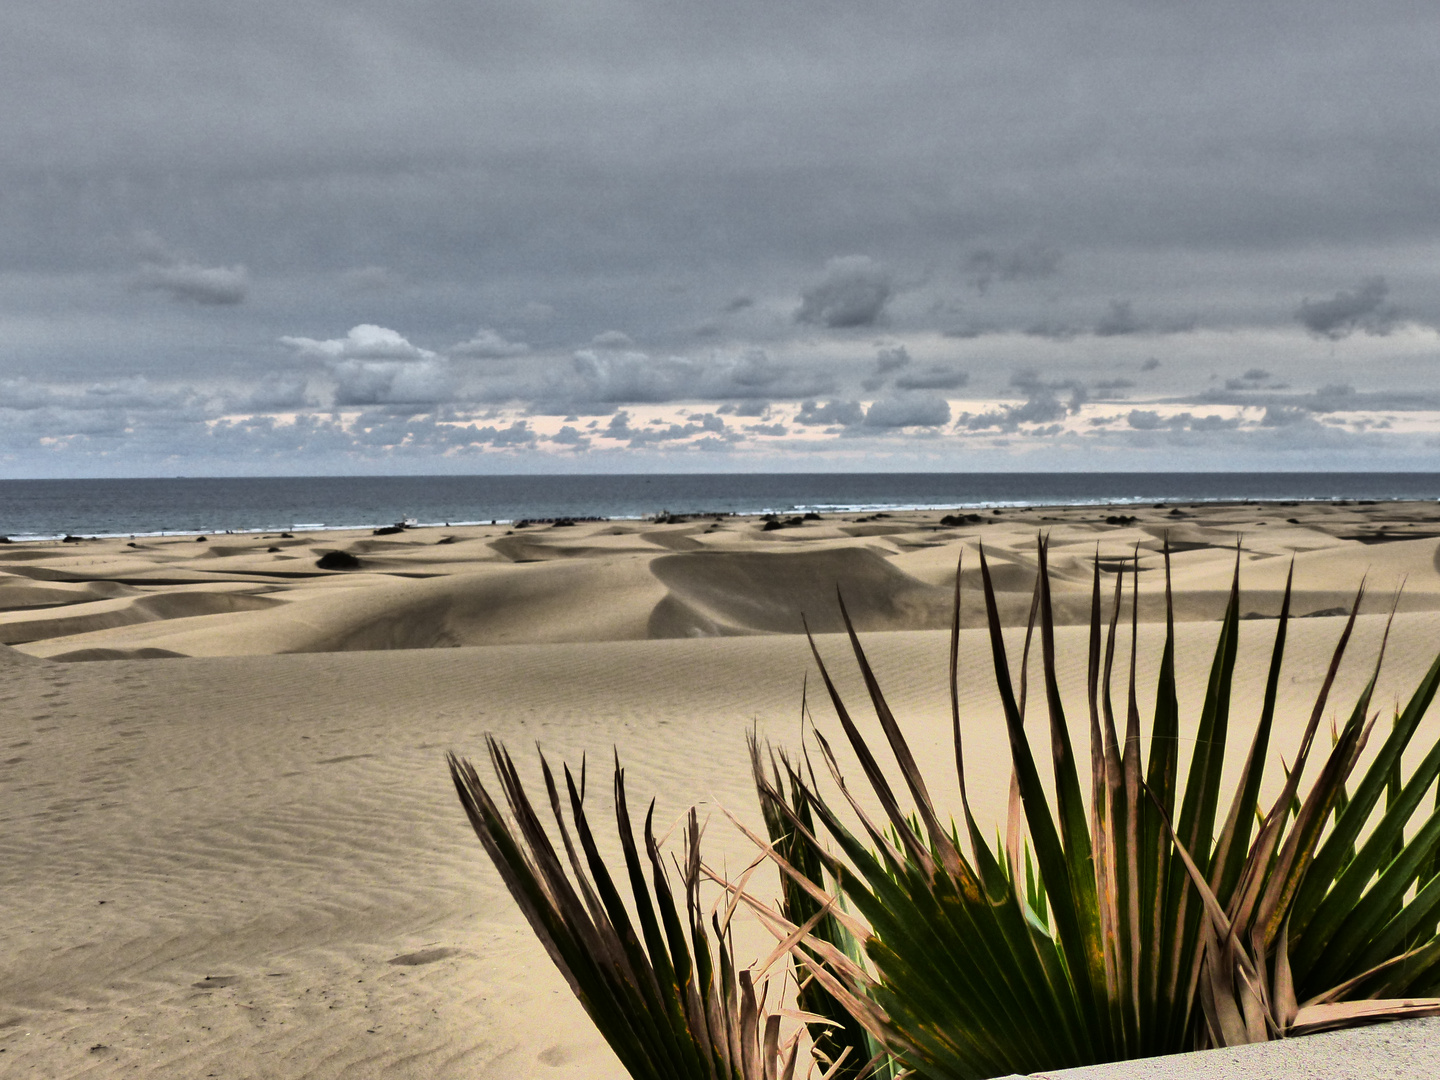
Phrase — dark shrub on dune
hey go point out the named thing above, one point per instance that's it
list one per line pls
(337, 560)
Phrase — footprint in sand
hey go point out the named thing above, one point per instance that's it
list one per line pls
(556, 1056)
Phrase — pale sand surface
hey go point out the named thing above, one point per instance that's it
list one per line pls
(210, 864)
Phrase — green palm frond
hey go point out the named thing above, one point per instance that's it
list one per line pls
(666, 994)
(1116, 922)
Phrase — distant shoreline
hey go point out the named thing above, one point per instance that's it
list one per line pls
(678, 518)
(50, 510)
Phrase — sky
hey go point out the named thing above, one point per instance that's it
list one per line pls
(597, 236)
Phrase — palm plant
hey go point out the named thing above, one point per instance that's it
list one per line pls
(669, 1000)
(842, 1042)
(1131, 931)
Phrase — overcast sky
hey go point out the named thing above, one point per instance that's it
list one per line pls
(481, 236)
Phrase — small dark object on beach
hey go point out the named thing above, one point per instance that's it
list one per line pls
(813, 516)
(202, 539)
(1177, 512)
(133, 544)
(68, 539)
(337, 560)
(522, 524)
(995, 511)
(445, 540)
(961, 519)
(1119, 519)
(287, 536)
(1292, 521)
(771, 526)
(272, 550)
(387, 530)
(1159, 506)
(562, 523)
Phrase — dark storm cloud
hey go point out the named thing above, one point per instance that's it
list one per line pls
(1329, 398)
(908, 409)
(164, 270)
(933, 377)
(1364, 308)
(135, 393)
(1150, 420)
(626, 377)
(620, 427)
(487, 344)
(1120, 319)
(853, 292)
(196, 284)
(1042, 404)
(391, 382)
(1032, 262)
(887, 362)
(832, 413)
(277, 392)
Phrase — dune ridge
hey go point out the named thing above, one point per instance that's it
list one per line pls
(488, 585)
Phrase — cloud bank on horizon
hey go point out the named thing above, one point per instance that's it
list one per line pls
(631, 236)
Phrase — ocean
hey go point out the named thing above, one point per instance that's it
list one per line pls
(42, 509)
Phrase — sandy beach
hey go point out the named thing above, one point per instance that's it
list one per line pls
(230, 847)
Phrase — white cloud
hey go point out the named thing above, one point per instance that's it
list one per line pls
(363, 342)
(611, 339)
(373, 365)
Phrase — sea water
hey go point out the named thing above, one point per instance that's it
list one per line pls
(36, 509)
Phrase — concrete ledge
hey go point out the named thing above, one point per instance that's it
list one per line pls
(1404, 1050)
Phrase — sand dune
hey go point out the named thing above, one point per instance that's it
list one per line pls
(242, 857)
(710, 577)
